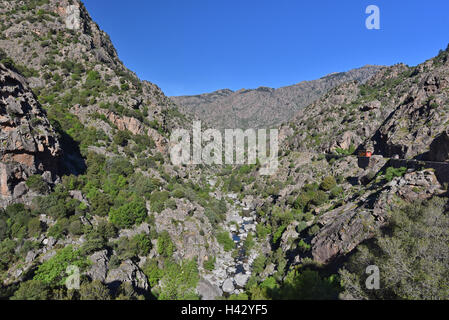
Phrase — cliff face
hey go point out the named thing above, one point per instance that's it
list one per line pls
(28, 143)
(57, 49)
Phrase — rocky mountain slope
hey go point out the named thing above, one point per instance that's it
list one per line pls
(399, 111)
(86, 179)
(264, 107)
(28, 143)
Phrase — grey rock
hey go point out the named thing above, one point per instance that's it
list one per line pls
(73, 19)
(20, 189)
(228, 285)
(99, 268)
(29, 145)
(31, 256)
(127, 272)
(241, 279)
(289, 235)
(208, 291)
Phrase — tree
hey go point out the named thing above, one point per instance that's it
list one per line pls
(53, 271)
(34, 227)
(301, 201)
(121, 138)
(32, 290)
(94, 290)
(225, 240)
(152, 271)
(165, 245)
(308, 285)
(36, 183)
(328, 183)
(179, 280)
(412, 254)
(319, 198)
(128, 214)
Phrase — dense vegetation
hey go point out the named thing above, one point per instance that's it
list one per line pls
(411, 254)
(120, 197)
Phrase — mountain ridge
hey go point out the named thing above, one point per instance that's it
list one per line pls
(264, 106)
(140, 227)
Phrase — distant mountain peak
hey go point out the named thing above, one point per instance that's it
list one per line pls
(264, 106)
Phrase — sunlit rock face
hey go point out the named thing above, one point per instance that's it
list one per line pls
(28, 143)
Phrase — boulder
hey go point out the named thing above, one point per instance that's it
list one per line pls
(127, 272)
(228, 285)
(208, 291)
(289, 235)
(99, 268)
(241, 279)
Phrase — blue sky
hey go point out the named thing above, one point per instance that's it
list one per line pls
(196, 46)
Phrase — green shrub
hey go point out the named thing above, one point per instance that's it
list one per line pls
(301, 201)
(209, 264)
(7, 254)
(94, 290)
(178, 193)
(303, 246)
(417, 240)
(53, 271)
(179, 281)
(391, 173)
(249, 242)
(142, 244)
(76, 228)
(225, 240)
(32, 290)
(128, 214)
(349, 151)
(152, 271)
(171, 204)
(277, 235)
(165, 246)
(336, 191)
(121, 138)
(320, 197)
(34, 227)
(328, 183)
(36, 183)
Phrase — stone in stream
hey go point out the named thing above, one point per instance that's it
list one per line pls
(208, 291)
(241, 279)
(249, 227)
(219, 273)
(228, 285)
(231, 270)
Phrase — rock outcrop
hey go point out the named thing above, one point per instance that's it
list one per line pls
(28, 143)
(439, 148)
(347, 226)
(129, 272)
